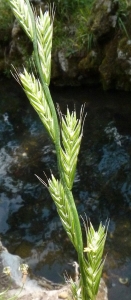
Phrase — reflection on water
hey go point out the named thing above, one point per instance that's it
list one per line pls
(29, 224)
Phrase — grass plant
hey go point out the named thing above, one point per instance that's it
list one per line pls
(122, 15)
(66, 136)
(7, 271)
(72, 24)
(65, 8)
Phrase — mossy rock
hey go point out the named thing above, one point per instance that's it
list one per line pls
(24, 249)
(103, 19)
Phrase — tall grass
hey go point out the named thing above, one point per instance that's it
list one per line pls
(65, 8)
(66, 136)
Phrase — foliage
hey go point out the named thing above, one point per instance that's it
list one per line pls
(66, 137)
(84, 36)
(72, 23)
(123, 4)
(65, 8)
(122, 16)
(74, 28)
(6, 19)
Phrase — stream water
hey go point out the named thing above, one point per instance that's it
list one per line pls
(29, 224)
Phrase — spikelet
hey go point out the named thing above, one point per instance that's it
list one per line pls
(44, 29)
(36, 96)
(20, 10)
(94, 264)
(71, 139)
(64, 210)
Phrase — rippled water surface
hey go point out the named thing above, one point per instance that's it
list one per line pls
(29, 224)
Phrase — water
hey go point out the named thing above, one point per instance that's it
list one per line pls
(29, 224)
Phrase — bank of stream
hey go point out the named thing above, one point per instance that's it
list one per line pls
(29, 224)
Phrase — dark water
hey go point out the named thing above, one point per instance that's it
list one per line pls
(29, 224)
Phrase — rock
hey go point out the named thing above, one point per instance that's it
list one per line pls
(63, 61)
(15, 30)
(103, 292)
(104, 18)
(63, 295)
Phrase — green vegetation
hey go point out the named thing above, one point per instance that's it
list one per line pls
(122, 16)
(124, 4)
(72, 24)
(24, 271)
(6, 21)
(65, 8)
(66, 136)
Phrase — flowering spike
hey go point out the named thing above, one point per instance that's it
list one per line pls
(71, 139)
(44, 28)
(35, 94)
(20, 10)
(94, 264)
(64, 210)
